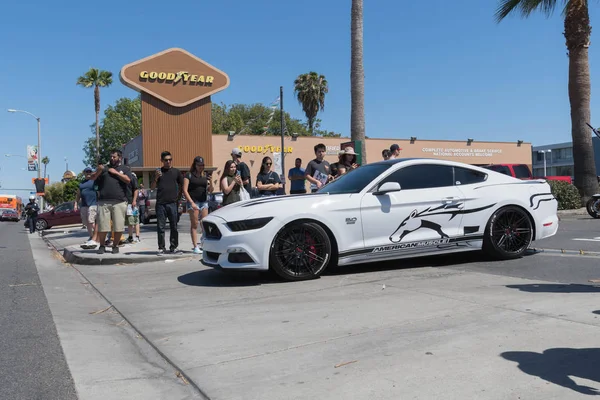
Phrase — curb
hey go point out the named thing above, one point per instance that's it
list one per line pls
(579, 211)
(72, 257)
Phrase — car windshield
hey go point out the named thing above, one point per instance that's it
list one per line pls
(355, 180)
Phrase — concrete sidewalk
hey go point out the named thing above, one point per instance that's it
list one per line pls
(383, 331)
(67, 240)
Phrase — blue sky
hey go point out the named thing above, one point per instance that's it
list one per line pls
(435, 69)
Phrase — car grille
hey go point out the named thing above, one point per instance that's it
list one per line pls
(211, 231)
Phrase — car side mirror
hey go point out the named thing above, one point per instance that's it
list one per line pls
(387, 187)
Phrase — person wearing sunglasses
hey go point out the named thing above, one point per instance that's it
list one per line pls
(267, 181)
(168, 182)
(196, 186)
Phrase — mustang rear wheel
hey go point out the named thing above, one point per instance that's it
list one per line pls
(300, 251)
(508, 233)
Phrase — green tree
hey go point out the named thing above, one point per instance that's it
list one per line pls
(310, 90)
(96, 78)
(70, 190)
(577, 34)
(45, 161)
(121, 123)
(357, 77)
(54, 193)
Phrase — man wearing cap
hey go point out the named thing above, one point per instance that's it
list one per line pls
(242, 167)
(394, 151)
(88, 209)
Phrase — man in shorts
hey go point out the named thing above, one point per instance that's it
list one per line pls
(88, 209)
(112, 180)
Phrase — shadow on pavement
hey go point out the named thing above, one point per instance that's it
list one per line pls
(555, 288)
(596, 312)
(558, 365)
(417, 262)
(218, 278)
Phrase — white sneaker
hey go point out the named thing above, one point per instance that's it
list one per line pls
(137, 239)
(197, 250)
(90, 244)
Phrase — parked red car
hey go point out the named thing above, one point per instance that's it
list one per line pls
(63, 214)
(521, 171)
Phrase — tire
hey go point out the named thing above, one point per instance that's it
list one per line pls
(41, 225)
(593, 211)
(300, 251)
(508, 233)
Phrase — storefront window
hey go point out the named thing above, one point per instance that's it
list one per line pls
(564, 171)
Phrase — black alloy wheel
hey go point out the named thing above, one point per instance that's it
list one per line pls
(508, 234)
(300, 251)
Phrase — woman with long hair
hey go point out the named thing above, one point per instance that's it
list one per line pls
(267, 181)
(230, 183)
(196, 187)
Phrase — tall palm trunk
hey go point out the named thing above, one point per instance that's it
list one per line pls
(577, 34)
(97, 107)
(357, 78)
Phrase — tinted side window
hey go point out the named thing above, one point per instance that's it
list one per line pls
(503, 169)
(422, 177)
(63, 207)
(465, 176)
(521, 171)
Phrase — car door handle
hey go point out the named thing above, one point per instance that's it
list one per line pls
(448, 200)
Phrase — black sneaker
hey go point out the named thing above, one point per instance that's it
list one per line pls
(101, 250)
(161, 252)
(115, 250)
(176, 251)
(130, 239)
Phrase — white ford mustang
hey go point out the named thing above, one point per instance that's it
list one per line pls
(386, 210)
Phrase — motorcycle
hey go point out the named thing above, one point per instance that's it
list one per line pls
(593, 206)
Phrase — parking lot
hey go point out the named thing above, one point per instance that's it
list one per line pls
(451, 327)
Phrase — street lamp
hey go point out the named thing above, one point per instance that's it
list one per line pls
(544, 152)
(39, 147)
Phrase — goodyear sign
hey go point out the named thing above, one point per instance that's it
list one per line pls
(176, 77)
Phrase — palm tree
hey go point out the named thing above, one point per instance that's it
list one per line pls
(577, 34)
(357, 78)
(97, 79)
(310, 89)
(45, 161)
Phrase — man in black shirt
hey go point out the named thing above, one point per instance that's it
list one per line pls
(113, 182)
(317, 170)
(169, 183)
(32, 210)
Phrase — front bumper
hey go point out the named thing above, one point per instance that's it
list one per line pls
(244, 251)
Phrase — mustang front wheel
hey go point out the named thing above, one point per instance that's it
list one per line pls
(508, 233)
(300, 251)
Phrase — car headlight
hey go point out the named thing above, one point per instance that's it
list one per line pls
(248, 224)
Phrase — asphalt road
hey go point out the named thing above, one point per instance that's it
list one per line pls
(31, 358)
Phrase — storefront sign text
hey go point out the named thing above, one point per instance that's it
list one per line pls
(175, 78)
(265, 149)
(333, 150)
(449, 152)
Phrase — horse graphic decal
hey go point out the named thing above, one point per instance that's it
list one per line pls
(415, 220)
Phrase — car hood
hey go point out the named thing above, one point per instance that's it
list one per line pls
(275, 206)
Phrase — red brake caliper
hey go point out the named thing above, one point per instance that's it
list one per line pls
(310, 242)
